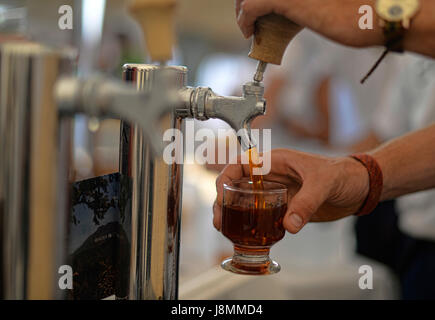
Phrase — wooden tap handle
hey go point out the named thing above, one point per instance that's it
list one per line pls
(272, 36)
(157, 20)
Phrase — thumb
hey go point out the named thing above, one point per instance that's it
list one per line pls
(303, 205)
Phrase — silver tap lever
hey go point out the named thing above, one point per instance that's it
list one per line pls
(202, 104)
(259, 73)
(101, 98)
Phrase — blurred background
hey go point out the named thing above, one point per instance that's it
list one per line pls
(315, 104)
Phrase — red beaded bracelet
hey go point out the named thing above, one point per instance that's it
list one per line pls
(375, 183)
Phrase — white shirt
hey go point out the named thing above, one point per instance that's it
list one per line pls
(411, 106)
(311, 58)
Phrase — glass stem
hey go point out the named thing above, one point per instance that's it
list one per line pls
(251, 256)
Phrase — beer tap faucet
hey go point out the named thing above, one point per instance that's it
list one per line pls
(100, 97)
(272, 36)
(202, 104)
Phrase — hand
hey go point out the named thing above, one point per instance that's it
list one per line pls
(335, 19)
(320, 188)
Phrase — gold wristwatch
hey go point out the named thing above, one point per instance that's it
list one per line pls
(395, 18)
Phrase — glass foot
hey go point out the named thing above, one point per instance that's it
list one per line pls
(270, 267)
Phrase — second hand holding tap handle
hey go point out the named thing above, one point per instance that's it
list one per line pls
(157, 20)
(271, 38)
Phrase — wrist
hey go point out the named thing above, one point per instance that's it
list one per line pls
(358, 181)
(375, 183)
(351, 185)
(421, 29)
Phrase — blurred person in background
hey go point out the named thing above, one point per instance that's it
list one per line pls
(401, 233)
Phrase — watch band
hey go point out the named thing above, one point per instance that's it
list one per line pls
(375, 183)
(394, 33)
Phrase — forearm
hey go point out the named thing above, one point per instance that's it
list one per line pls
(421, 36)
(335, 19)
(407, 163)
(342, 25)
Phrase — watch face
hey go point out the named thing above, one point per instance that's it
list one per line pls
(396, 10)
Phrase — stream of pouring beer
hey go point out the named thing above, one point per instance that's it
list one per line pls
(257, 180)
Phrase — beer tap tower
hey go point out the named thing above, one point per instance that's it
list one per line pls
(151, 99)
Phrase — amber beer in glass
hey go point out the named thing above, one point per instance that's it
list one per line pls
(253, 229)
